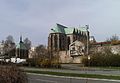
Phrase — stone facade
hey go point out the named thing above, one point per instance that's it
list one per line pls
(100, 48)
(76, 48)
(66, 58)
(32, 52)
(61, 37)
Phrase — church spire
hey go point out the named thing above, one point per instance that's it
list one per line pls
(20, 39)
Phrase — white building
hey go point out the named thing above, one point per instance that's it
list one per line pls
(31, 52)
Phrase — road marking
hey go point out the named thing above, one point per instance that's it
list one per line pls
(109, 80)
(48, 81)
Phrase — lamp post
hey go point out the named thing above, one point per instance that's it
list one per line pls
(87, 27)
(87, 50)
(88, 60)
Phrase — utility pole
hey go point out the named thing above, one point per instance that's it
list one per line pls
(87, 27)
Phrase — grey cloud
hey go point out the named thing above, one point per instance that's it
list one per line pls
(34, 18)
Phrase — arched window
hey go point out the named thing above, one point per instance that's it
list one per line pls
(55, 42)
(68, 42)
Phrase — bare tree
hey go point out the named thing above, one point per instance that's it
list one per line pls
(9, 47)
(41, 51)
(9, 39)
(27, 43)
(113, 38)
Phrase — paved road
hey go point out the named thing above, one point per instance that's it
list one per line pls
(34, 78)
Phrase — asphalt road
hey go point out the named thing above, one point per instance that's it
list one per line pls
(35, 78)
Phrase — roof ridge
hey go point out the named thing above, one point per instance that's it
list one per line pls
(61, 25)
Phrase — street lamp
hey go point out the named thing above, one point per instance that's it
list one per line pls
(87, 27)
(89, 60)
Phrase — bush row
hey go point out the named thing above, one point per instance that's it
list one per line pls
(44, 63)
(102, 59)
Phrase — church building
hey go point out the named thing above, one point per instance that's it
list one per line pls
(21, 50)
(61, 38)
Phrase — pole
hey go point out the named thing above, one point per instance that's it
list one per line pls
(87, 27)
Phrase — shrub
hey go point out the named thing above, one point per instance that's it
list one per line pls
(12, 74)
(44, 62)
(102, 59)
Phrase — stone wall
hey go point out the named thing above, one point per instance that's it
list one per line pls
(66, 58)
(114, 48)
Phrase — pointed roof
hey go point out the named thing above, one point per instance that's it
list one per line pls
(58, 29)
(21, 45)
(67, 30)
(20, 38)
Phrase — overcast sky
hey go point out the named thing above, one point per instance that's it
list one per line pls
(35, 18)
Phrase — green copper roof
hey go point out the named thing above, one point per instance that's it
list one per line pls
(69, 30)
(82, 29)
(66, 30)
(58, 29)
(21, 46)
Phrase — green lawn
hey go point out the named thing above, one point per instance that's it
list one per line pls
(116, 68)
(75, 75)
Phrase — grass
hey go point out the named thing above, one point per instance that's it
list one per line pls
(114, 68)
(76, 75)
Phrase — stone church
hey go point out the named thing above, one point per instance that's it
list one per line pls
(61, 39)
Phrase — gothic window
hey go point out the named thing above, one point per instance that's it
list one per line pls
(55, 42)
(51, 42)
(68, 42)
(63, 44)
(60, 41)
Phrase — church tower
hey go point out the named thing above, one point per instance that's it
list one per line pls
(21, 50)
